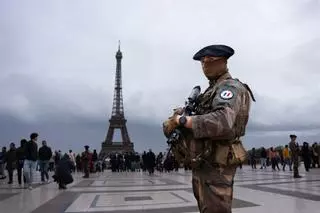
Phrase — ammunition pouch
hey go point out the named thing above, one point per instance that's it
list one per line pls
(227, 153)
(230, 154)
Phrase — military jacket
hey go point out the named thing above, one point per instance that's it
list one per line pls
(221, 118)
(294, 147)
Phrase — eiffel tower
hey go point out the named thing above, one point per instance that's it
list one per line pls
(117, 120)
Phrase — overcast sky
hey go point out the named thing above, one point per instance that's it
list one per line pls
(57, 66)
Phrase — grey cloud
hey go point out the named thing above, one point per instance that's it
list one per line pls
(77, 132)
(291, 127)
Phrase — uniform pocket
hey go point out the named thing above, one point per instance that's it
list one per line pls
(239, 152)
(221, 154)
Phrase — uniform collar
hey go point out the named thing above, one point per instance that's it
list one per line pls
(221, 78)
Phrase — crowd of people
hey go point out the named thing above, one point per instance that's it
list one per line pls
(310, 155)
(28, 158)
(147, 161)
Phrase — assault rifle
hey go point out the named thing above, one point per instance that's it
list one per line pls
(189, 109)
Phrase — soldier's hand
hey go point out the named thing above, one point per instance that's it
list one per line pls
(169, 125)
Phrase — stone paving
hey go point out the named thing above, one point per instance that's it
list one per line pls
(255, 191)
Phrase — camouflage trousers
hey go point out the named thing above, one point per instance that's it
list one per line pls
(295, 162)
(213, 189)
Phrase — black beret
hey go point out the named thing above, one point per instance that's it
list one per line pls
(86, 146)
(293, 136)
(215, 51)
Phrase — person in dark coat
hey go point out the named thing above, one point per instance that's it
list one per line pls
(45, 155)
(63, 172)
(20, 160)
(306, 156)
(94, 161)
(263, 158)
(78, 163)
(253, 158)
(151, 162)
(2, 163)
(144, 161)
(11, 160)
(31, 157)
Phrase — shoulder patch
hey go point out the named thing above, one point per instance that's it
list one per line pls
(226, 94)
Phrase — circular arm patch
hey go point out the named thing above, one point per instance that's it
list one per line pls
(226, 94)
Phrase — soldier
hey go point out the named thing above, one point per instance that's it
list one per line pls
(294, 147)
(214, 132)
(86, 160)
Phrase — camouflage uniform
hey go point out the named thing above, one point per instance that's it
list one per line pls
(213, 139)
(222, 118)
(294, 147)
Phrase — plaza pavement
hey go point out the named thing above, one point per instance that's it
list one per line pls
(132, 192)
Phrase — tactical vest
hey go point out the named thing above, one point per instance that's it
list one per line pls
(223, 153)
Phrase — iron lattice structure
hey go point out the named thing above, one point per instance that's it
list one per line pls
(117, 120)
